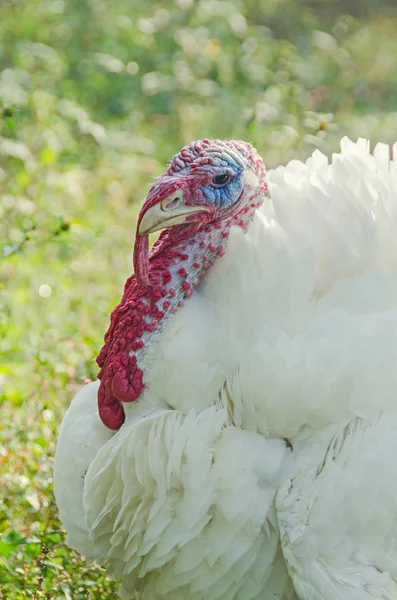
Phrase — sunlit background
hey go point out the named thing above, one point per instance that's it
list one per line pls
(95, 98)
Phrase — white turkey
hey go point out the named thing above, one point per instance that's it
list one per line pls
(258, 321)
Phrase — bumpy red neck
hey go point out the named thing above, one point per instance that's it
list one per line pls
(162, 282)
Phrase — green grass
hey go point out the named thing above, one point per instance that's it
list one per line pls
(94, 99)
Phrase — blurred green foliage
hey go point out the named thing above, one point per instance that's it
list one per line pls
(95, 97)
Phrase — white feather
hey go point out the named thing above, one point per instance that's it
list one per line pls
(81, 436)
(337, 511)
(178, 504)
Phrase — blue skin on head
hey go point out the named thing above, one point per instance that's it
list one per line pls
(226, 195)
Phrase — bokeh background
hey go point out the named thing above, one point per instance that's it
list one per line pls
(95, 97)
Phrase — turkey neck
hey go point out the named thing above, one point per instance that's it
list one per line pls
(175, 269)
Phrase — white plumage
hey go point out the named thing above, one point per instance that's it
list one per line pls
(338, 512)
(291, 335)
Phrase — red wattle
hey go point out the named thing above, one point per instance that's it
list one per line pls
(110, 410)
(138, 313)
(127, 387)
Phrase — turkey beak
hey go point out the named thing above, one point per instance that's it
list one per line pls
(170, 211)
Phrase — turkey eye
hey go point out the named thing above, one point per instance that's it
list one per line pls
(220, 180)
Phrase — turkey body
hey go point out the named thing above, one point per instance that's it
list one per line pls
(290, 335)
